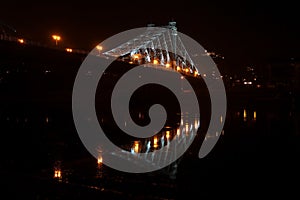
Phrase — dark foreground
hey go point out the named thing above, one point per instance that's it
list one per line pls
(42, 156)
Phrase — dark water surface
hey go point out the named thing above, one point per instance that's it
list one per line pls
(42, 156)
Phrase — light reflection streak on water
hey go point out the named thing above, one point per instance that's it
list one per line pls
(149, 149)
(57, 171)
(247, 114)
(99, 160)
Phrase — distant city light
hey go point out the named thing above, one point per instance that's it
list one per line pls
(247, 82)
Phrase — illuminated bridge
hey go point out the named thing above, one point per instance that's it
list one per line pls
(160, 47)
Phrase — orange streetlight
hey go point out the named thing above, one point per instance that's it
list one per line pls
(21, 41)
(56, 38)
(99, 48)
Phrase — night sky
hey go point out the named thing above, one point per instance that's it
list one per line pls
(244, 32)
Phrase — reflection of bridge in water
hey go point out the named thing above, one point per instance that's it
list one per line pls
(144, 151)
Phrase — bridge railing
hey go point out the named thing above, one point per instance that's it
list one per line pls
(9, 38)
